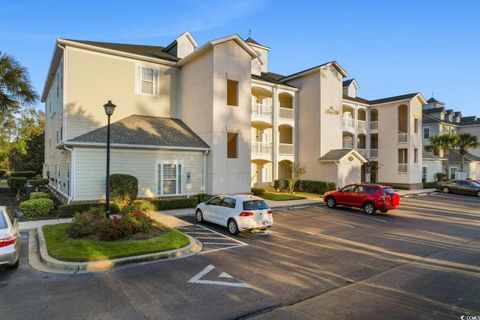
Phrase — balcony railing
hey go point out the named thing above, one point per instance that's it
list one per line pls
(402, 137)
(362, 125)
(285, 148)
(373, 125)
(348, 123)
(285, 113)
(261, 110)
(347, 145)
(373, 153)
(362, 151)
(402, 167)
(261, 147)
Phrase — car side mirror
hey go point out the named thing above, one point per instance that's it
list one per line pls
(17, 214)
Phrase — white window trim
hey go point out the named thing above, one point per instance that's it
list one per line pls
(450, 172)
(138, 79)
(160, 172)
(425, 169)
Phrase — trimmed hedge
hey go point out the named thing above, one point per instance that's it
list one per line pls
(39, 182)
(312, 186)
(17, 184)
(26, 174)
(139, 205)
(36, 208)
(69, 210)
(39, 195)
(258, 191)
(168, 204)
(123, 189)
(204, 197)
(2, 172)
(429, 185)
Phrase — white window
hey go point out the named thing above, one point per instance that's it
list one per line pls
(426, 133)
(453, 171)
(424, 173)
(147, 81)
(169, 178)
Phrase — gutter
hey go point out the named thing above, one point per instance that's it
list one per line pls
(72, 175)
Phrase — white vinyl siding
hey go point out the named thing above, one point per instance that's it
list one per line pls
(89, 173)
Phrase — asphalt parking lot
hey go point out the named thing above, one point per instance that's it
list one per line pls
(419, 262)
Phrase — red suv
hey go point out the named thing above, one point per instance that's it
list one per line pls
(370, 197)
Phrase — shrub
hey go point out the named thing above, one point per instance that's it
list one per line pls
(114, 229)
(87, 223)
(25, 174)
(36, 208)
(39, 195)
(39, 182)
(313, 186)
(139, 221)
(439, 176)
(17, 184)
(258, 191)
(69, 210)
(429, 185)
(2, 173)
(123, 188)
(281, 185)
(139, 205)
(168, 204)
(203, 197)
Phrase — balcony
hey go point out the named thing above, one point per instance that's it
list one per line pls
(262, 112)
(285, 149)
(285, 113)
(261, 148)
(373, 153)
(373, 125)
(362, 125)
(402, 167)
(402, 137)
(348, 123)
(363, 152)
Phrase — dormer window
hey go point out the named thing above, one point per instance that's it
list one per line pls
(147, 81)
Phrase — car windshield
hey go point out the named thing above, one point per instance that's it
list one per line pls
(254, 205)
(388, 191)
(3, 221)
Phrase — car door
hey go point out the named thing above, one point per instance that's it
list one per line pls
(358, 196)
(211, 208)
(462, 187)
(225, 210)
(345, 195)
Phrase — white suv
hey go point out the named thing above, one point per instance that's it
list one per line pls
(237, 213)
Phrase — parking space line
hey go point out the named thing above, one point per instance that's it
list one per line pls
(211, 239)
(233, 239)
(219, 243)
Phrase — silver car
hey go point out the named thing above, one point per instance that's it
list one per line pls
(9, 240)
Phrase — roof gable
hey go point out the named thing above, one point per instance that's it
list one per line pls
(339, 154)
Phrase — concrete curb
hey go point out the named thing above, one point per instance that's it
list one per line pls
(412, 195)
(194, 247)
(303, 205)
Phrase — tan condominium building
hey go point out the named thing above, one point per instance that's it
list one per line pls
(215, 119)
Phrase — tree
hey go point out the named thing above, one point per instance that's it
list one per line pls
(466, 141)
(443, 143)
(296, 170)
(15, 87)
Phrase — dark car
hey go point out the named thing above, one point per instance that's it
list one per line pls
(369, 197)
(467, 187)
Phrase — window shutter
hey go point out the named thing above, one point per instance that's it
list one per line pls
(138, 80)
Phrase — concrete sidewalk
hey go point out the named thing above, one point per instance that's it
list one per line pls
(33, 225)
(403, 193)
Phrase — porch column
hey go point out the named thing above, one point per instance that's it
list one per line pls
(275, 133)
(368, 138)
(355, 125)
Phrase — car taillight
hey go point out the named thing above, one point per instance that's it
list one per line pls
(269, 211)
(246, 214)
(8, 241)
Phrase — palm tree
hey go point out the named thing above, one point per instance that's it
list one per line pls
(443, 142)
(466, 141)
(15, 86)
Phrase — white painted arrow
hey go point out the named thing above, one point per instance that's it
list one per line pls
(198, 279)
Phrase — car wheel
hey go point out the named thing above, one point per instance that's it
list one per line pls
(331, 202)
(478, 194)
(384, 211)
(369, 208)
(446, 190)
(199, 215)
(232, 227)
(15, 265)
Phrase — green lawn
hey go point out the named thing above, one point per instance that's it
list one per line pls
(281, 196)
(64, 248)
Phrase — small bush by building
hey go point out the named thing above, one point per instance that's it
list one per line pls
(39, 182)
(258, 191)
(17, 184)
(25, 174)
(39, 195)
(123, 189)
(439, 176)
(2, 173)
(69, 210)
(313, 186)
(169, 204)
(281, 185)
(86, 223)
(36, 208)
(139, 205)
(203, 197)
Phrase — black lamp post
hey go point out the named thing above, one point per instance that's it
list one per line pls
(109, 108)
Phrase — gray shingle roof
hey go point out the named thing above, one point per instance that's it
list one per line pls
(272, 78)
(346, 83)
(394, 98)
(335, 154)
(434, 110)
(145, 131)
(454, 156)
(250, 40)
(469, 120)
(156, 52)
(357, 99)
(432, 99)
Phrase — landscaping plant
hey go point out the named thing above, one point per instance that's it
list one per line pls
(258, 191)
(36, 208)
(17, 185)
(38, 195)
(26, 174)
(123, 189)
(87, 223)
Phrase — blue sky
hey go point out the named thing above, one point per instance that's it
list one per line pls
(390, 47)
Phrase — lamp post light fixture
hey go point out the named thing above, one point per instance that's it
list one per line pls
(109, 108)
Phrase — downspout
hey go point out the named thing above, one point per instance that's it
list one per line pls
(204, 180)
(72, 184)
